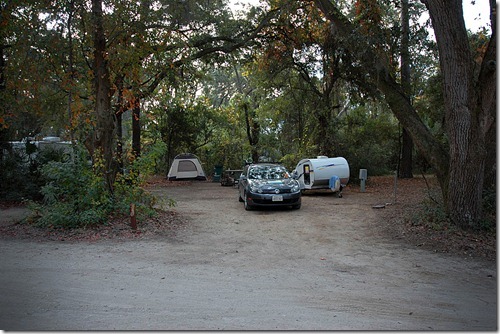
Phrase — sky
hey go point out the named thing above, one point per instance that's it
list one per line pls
(477, 15)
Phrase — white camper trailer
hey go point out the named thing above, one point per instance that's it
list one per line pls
(47, 143)
(186, 166)
(323, 173)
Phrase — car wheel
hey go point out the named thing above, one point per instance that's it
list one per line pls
(296, 207)
(239, 195)
(248, 207)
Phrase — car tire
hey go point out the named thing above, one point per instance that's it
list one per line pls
(248, 207)
(239, 197)
(296, 207)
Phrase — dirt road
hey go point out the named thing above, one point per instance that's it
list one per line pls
(323, 267)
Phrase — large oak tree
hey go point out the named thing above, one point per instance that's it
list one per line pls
(469, 85)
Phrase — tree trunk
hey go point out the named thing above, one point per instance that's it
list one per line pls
(71, 72)
(2, 68)
(119, 141)
(487, 86)
(252, 126)
(136, 129)
(379, 76)
(119, 109)
(406, 167)
(470, 105)
(3, 132)
(105, 123)
(253, 130)
(468, 115)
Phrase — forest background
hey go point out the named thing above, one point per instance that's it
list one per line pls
(134, 83)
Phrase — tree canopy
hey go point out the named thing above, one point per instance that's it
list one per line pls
(280, 81)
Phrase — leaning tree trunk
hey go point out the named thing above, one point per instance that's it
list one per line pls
(468, 114)
(406, 167)
(105, 125)
(470, 104)
(378, 70)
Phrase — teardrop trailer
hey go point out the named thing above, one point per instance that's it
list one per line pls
(323, 173)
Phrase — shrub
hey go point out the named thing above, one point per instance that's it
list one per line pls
(431, 215)
(72, 196)
(20, 171)
(16, 181)
(75, 195)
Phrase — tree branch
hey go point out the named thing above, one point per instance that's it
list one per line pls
(227, 48)
(377, 67)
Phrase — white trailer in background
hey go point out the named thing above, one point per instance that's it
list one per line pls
(323, 173)
(47, 143)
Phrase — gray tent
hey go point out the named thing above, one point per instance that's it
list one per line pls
(186, 166)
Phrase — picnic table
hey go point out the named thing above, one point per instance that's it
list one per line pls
(230, 177)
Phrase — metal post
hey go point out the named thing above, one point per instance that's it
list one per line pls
(363, 174)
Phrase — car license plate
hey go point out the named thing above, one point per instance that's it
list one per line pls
(277, 198)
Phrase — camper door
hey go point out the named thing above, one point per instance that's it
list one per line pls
(308, 175)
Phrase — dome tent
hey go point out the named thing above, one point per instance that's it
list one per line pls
(186, 166)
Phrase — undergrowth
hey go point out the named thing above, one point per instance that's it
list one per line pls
(431, 214)
(75, 195)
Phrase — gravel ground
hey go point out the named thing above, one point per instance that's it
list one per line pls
(207, 264)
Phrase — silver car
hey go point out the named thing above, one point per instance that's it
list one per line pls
(268, 185)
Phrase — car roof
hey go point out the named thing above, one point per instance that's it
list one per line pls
(265, 164)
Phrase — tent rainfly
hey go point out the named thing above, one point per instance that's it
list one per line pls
(186, 166)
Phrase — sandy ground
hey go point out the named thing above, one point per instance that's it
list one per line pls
(323, 267)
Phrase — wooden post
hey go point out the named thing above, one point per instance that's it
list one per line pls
(133, 222)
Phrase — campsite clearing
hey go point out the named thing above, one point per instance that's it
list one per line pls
(330, 266)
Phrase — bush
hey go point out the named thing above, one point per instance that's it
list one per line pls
(431, 215)
(20, 172)
(17, 183)
(368, 142)
(75, 195)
